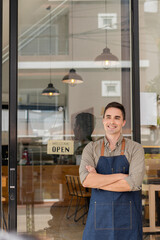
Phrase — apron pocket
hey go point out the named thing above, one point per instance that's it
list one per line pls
(113, 216)
(103, 216)
(123, 215)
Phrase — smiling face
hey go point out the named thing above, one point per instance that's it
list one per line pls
(113, 122)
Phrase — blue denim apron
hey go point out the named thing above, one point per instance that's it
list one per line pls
(114, 215)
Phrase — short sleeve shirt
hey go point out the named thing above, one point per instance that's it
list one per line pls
(133, 151)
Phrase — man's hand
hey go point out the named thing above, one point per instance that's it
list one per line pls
(91, 169)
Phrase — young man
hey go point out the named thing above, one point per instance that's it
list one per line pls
(114, 168)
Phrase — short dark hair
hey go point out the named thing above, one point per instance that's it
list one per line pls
(116, 105)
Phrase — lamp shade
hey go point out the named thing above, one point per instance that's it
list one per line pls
(50, 91)
(106, 55)
(72, 78)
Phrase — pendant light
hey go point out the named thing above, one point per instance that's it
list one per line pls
(72, 78)
(50, 90)
(106, 56)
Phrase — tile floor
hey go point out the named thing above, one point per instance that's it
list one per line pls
(50, 221)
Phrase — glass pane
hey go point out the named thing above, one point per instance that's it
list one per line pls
(5, 117)
(149, 53)
(53, 130)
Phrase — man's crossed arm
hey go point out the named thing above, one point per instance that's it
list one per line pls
(109, 182)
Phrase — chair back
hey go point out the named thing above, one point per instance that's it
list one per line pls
(70, 185)
(77, 185)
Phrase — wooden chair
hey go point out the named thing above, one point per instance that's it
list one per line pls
(82, 196)
(71, 191)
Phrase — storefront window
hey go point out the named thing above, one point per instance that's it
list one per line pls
(150, 52)
(55, 38)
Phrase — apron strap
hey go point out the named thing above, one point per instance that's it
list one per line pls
(102, 149)
(122, 147)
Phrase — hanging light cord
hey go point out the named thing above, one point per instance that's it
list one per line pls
(72, 27)
(50, 43)
(106, 26)
(49, 8)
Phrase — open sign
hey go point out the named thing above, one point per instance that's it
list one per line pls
(61, 147)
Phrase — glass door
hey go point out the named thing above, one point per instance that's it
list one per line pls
(4, 123)
(58, 39)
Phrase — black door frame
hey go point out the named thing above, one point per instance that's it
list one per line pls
(13, 67)
(13, 43)
(135, 71)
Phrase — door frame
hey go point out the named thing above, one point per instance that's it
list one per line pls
(13, 68)
(135, 71)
